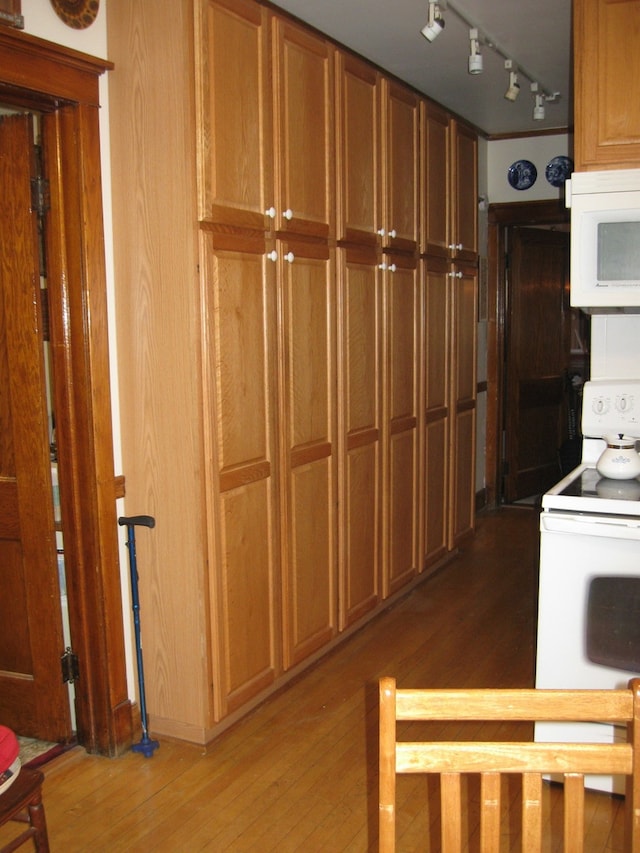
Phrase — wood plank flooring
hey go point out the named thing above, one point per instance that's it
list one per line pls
(300, 773)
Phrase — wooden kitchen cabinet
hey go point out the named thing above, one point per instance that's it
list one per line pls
(304, 127)
(311, 465)
(437, 407)
(435, 186)
(463, 390)
(401, 389)
(262, 167)
(308, 436)
(235, 131)
(400, 166)
(360, 429)
(358, 152)
(464, 193)
(241, 388)
(606, 70)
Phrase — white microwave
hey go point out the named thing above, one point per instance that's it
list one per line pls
(605, 240)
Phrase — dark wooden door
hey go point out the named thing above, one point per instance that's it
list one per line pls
(33, 699)
(537, 360)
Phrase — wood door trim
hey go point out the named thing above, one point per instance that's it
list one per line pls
(501, 217)
(64, 84)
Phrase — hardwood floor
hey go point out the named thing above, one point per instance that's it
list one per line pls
(300, 774)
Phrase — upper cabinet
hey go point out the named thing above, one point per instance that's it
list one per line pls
(606, 67)
(464, 193)
(448, 193)
(358, 155)
(235, 150)
(266, 135)
(401, 112)
(304, 110)
(434, 188)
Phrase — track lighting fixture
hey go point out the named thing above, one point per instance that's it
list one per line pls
(435, 24)
(475, 57)
(538, 110)
(514, 87)
(477, 35)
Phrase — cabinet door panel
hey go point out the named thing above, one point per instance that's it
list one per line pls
(308, 436)
(401, 167)
(305, 152)
(240, 388)
(606, 64)
(402, 354)
(247, 592)
(435, 181)
(235, 152)
(360, 384)
(465, 193)
(437, 397)
(463, 406)
(358, 183)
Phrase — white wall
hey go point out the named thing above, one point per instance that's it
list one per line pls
(41, 20)
(501, 153)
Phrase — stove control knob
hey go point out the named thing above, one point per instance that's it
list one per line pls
(624, 403)
(600, 405)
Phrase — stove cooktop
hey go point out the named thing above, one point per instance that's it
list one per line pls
(584, 490)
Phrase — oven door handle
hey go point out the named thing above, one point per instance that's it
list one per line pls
(612, 528)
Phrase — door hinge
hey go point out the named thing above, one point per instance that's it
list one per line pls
(40, 199)
(70, 666)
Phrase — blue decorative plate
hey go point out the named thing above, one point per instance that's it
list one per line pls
(522, 174)
(558, 170)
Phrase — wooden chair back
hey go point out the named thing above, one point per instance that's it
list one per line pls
(530, 760)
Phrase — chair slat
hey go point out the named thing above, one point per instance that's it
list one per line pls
(531, 812)
(451, 799)
(513, 757)
(574, 813)
(524, 704)
(489, 812)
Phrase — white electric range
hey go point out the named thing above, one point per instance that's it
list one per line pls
(589, 587)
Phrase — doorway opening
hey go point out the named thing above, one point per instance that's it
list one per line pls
(538, 353)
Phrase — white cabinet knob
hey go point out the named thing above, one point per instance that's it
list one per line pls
(270, 212)
(273, 255)
(382, 266)
(381, 232)
(392, 267)
(456, 246)
(288, 214)
(393, 233)
(289, 257)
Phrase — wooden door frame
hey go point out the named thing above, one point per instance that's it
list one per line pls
(501, 217)
(63, 85)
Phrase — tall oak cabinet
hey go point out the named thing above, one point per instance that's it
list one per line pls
(296, 340)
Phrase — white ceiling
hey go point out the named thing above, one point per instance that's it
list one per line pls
(536, 34)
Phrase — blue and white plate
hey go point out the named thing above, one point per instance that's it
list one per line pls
(558, 170)
(522, 174)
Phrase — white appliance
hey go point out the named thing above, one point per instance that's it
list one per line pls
(605, 240)
(589, 588)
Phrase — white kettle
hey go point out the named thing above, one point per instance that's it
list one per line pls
(619, 461)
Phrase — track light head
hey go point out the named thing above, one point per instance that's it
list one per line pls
(538, 110)
(435, 24)
(475, 57)
(514, 87)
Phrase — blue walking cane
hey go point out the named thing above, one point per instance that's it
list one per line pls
(146, 745)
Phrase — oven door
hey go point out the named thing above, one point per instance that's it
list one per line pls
(584, 559)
